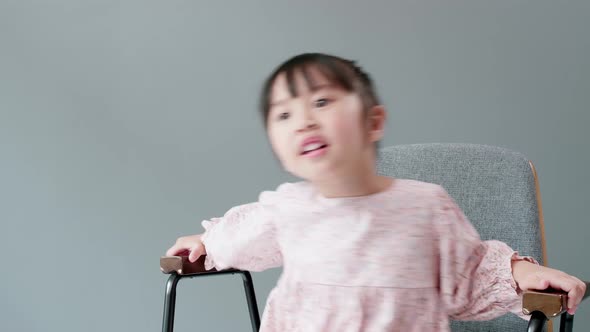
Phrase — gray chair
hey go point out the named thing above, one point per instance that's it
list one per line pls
(499, 193)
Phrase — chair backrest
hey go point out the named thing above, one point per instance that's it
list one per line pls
(494, 186)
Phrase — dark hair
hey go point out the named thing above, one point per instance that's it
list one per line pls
(343, 73)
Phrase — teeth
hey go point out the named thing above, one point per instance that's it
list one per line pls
(312, 146)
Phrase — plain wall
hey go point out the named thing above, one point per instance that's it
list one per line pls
(123, 124)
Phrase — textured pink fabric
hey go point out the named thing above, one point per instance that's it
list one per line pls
(405, 259)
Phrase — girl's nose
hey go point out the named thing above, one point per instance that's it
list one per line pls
(308, 121)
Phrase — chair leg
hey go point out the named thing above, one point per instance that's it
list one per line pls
(169, 302)
(537, 322)
(566, 322)
(251, 298)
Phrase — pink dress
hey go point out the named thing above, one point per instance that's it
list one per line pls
(405, 259)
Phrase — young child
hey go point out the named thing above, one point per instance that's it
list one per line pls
(359, 251)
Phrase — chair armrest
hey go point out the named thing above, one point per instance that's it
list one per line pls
(182, 266)
(552, 303)
(179, 267)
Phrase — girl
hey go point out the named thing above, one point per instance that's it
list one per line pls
(360, 252)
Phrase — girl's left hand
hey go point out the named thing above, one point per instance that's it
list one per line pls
(529, 276)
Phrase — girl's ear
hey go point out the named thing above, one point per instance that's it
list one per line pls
(376, 122)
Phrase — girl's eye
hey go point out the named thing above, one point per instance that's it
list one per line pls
(283, 116)
(321, 102)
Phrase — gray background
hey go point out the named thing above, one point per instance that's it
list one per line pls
(123, 124)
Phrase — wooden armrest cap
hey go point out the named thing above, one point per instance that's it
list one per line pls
(181, 265)
(550, 303)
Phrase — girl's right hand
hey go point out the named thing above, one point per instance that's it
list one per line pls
(191, 245)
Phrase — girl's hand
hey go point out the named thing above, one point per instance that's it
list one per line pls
(188, 245)
(530, 276)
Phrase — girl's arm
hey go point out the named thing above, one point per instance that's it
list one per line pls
(476, 281)
(244, 238)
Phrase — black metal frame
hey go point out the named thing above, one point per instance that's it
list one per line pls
(538, 320)
(170, 298)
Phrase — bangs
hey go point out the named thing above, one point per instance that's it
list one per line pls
(335, 74)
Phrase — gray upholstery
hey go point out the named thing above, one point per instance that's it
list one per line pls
(495, 188)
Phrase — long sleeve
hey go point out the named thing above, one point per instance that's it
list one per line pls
(476, 281)
(244, 238)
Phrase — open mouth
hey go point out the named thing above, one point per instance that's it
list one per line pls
(314, 149)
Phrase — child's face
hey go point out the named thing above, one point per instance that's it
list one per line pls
(322, 132)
